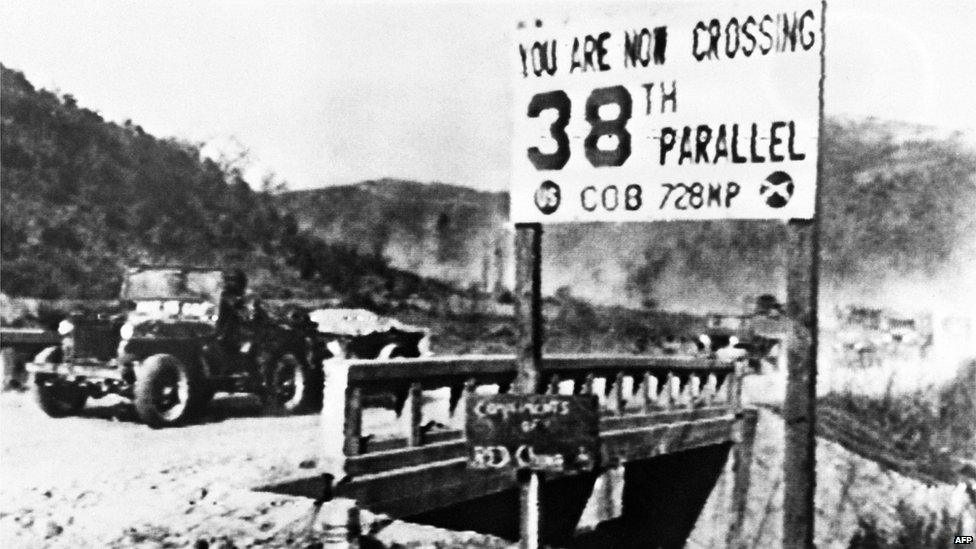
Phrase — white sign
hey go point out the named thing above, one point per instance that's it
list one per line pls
(691, 110)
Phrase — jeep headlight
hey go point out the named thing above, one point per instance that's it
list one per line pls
(127, 331)
(65, 327)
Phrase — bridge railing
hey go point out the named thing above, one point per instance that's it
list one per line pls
(381, 415)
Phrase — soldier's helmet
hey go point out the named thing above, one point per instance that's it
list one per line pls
(235, 282)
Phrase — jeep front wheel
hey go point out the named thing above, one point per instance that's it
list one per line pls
(58, 399)
(289, 386)
(167, 391)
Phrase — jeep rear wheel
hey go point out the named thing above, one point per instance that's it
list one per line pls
(289, 386)
(58, 399)
(167, 392)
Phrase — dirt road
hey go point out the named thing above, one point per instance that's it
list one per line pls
(104, 480)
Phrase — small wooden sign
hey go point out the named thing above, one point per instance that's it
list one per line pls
(551, 433)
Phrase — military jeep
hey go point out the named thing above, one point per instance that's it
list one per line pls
(183, 336)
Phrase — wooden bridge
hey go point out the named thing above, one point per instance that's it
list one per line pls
(414, 461)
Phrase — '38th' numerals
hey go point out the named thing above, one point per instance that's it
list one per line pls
(599, 127)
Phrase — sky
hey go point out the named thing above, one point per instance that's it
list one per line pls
(323, 93)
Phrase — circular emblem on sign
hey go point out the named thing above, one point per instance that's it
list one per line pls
(547, 197)
(777, 189)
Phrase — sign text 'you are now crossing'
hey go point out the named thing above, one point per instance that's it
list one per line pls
(692, 110)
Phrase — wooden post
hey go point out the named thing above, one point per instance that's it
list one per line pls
(799, 405)
(745, 436)
(528, 320)
(413, 410)
(528, 305)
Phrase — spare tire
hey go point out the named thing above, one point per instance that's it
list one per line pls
(168, 392)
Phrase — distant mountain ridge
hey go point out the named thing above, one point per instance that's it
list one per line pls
(897, 200)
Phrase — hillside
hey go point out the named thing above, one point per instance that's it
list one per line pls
(442, 231)
(898, 201)
(82, 197)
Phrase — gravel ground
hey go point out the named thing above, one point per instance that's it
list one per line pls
(103, 480)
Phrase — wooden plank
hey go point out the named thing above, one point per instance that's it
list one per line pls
(415, 369)
(374, 445)
(608, 423)
(644, 443)
(444, 483)
(389, 460)
(568, 362)
(410, 369)
(637, 421)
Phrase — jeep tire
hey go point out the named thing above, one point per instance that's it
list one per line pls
(290, 386)
(60, 399)
(56, 397)
(167, 392)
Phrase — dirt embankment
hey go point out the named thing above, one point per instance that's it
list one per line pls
(849, 488)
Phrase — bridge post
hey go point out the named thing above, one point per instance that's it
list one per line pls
(744, 440)
(341, 421)
(528, 320)
(340, 417)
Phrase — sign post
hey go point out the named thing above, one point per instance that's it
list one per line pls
(692, 110)
(528, 317)
(531, 434)
(800, 401)
(528, 306)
